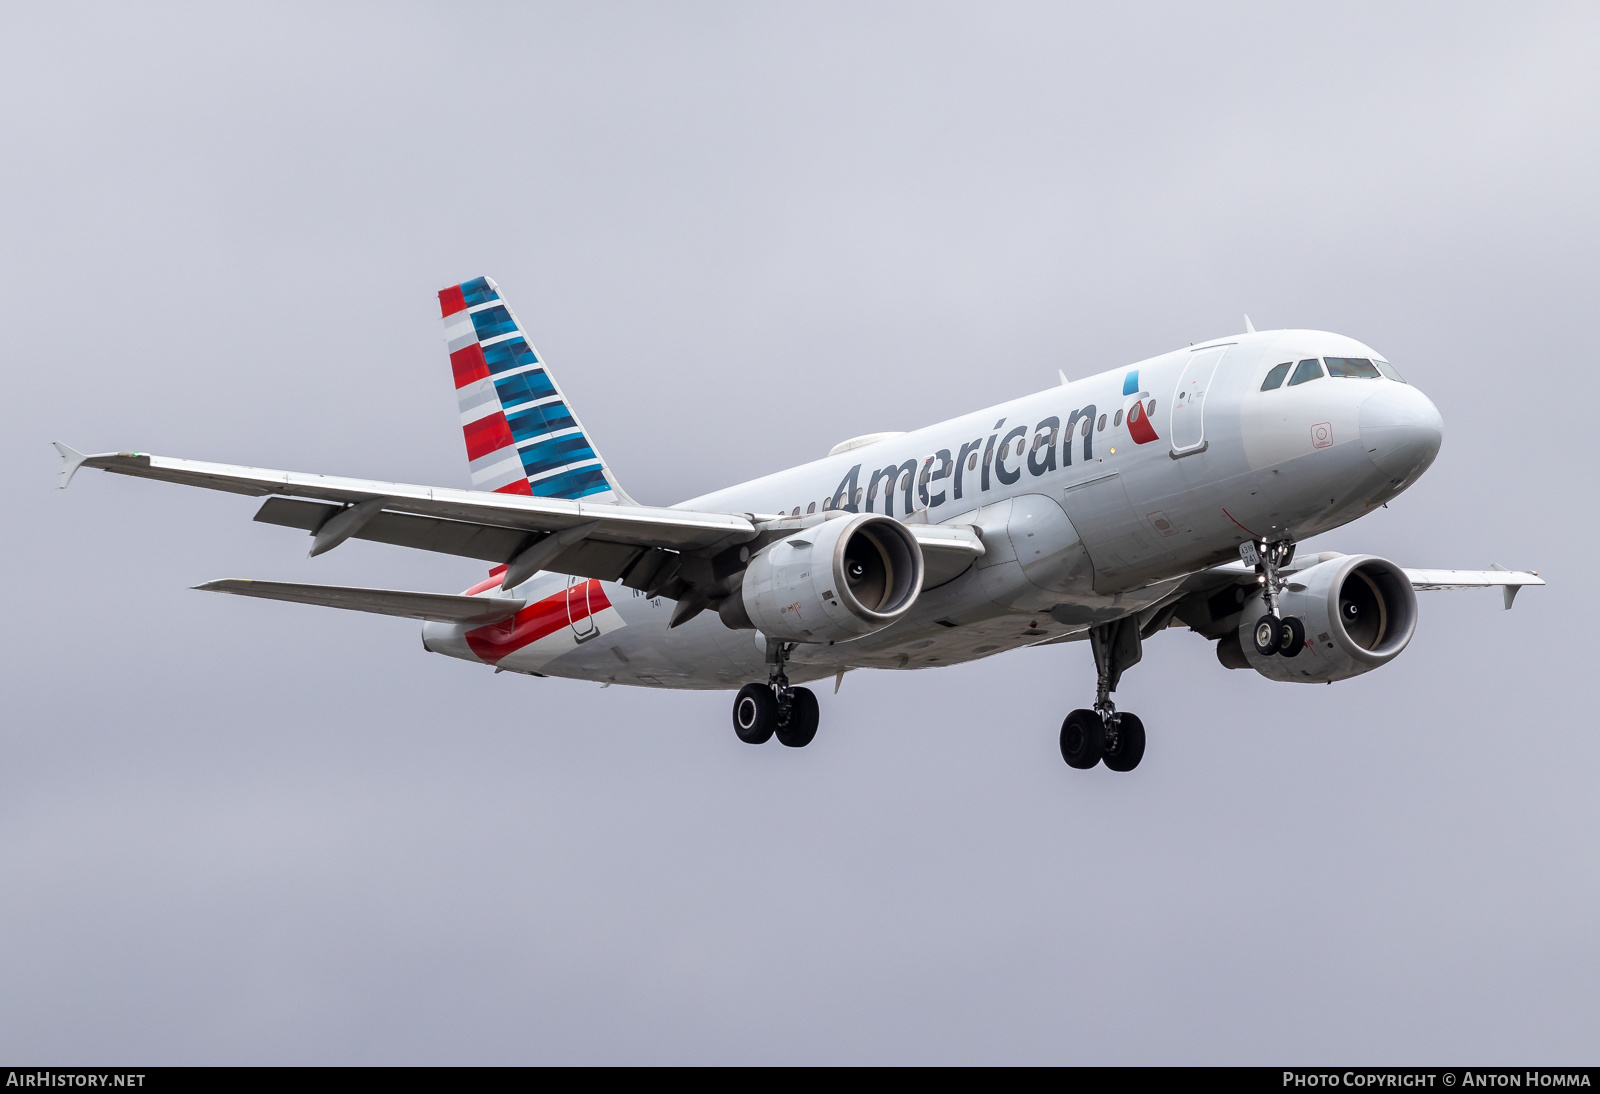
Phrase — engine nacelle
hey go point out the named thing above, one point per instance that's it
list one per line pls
(1359, 612)
(841, 579)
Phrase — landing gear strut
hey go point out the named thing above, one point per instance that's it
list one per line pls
(762, 710)
(1089, 736)
(1272, 633)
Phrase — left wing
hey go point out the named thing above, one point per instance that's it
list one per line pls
(664, 552)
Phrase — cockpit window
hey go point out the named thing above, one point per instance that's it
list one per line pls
(1388, 370)
(1309, 369)
(1274, 378)
(1351, 366)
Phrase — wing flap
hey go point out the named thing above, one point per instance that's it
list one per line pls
(440, 607)
(587, 558)
(447, 537)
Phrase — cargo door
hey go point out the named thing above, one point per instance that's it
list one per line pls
(580, 608)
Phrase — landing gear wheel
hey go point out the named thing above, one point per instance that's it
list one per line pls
(1129, 748)
(1265, 635)
(755, 714)
(803, 718)
(1083, 738)
(1291, 637)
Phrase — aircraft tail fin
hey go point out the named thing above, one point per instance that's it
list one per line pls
(522, 434)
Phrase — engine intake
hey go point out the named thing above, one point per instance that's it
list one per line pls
(1359, 612)
(842, 579)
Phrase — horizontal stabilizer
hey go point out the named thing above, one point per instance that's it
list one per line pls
(440, 607)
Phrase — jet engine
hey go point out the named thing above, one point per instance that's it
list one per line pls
(1358, 611)
(838, 580)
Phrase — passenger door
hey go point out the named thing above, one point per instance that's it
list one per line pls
(1188, 425)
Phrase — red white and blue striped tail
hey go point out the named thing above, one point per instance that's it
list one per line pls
(522, 435)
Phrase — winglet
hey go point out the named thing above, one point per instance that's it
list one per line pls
(1249, 327)
(71, 460)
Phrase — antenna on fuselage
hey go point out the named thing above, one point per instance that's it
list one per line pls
(1063, 376)
(1249, 327)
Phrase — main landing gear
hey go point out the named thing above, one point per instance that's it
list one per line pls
(1272, 633)
(762, 710)
(1104, 734)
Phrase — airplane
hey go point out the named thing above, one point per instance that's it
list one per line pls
(1168, 493)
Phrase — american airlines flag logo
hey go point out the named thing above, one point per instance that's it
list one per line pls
(522, 437)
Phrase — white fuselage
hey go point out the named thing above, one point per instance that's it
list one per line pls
(1078, 527)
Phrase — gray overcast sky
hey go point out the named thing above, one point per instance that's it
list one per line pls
(248, 832)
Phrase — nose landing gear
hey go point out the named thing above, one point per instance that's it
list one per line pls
(761, 711)
(1272, 633)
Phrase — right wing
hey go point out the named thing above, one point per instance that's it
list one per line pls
(1510, 582)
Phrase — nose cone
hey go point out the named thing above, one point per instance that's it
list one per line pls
(1401, 430)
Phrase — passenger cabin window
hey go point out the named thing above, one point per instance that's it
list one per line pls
(1358, 367)
(1388, 370)
(1274, 378)
(1309, 369)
